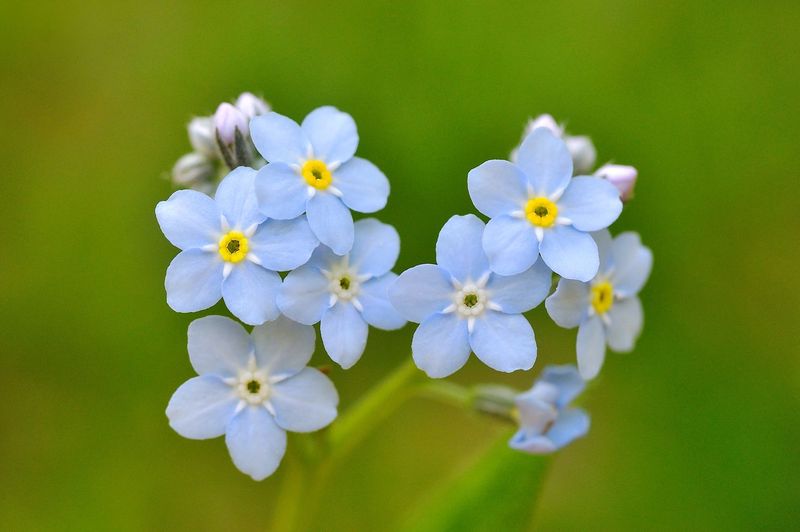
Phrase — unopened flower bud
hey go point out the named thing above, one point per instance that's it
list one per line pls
(227, 120)
(545, 121)
(193, 170)
(583, 154)
(251, 105)
(621, 176)
(201, 135)
(495, 400)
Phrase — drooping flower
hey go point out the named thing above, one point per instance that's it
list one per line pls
(537, 208)
(546, 421)
(228, 250)
(346, 294)
(312, 169)
(462, 306)
(607, 309)
(252, 388)
(621, 176)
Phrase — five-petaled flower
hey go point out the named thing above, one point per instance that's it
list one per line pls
(546, 422)
(537, 207)
(228, 249)
(346, 293)
(312, 169)
(605, 310)
(252, 388)
(462, 306)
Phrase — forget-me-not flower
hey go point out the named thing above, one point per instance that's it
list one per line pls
(228, 250)
(252, 388)
(605, 310)
(346, 294)
(462, 306)
(537, 207)
(546, 422)
(312, 169)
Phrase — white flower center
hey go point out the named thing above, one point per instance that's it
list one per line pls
(252, 384)
(344, 282)
(471, 300)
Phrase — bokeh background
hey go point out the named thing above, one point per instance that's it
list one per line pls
(698, 428)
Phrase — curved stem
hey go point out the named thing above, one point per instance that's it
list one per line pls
(287, 510)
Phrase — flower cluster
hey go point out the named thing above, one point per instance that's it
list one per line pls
(277, 243)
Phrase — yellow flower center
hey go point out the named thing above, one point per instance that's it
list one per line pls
(602, 297)
(316, 174)
(233, 247)
(541, 212)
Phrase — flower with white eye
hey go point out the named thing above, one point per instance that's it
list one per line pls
(346, 294)
(537, 208)
(606, 310)
(252, 388)
(229, 250)
(462, 306)
(312, 169)
(546, 422)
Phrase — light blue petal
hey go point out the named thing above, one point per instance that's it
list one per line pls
(521, 292)
(440, 346)
(568, 381)
(281, 192)
(332, 133)
(459, 250)
(497, 187)
(569, 304)
(250, 291)
(570, 425)
(278, 138)
(375, 248)
(511, 245)
(218, 345)
(421, 291)
(283, 245)
(603, 240)
(201, 407)
(591, 203)
(255, 442)
(570, 253)
(546, 161)
(378, 310)
(364, 188)
(194, 280)
(236, 198)
(344, 334)
(189, 219)
(304, 296)
(536, 412)
(504, 342)
(324, 258)
(305, 402)
(331, 222)
(632, 264)
(283, 347)
(626, 324)
(531, 442)
(591, 347)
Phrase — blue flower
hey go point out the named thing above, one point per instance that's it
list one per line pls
(252, 388)
(312, 169)
(537, 207)
(605, 310)
(462, 306)
(228, 249)
(346, 293)
(546, 423)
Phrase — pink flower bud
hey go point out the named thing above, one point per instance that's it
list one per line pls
(621, 176)
(251, 105)
(227, 120)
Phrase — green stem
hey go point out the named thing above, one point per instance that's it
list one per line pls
(447, 392)
(287, 509)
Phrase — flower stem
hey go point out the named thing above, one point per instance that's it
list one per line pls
(287, 510)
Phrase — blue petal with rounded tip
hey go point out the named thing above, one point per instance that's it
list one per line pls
(304, 296)
(504, 342)
(591, 347)
(603, 240)
(250, 291)
(344, 334)
(304, 402)
(546, 162)
(421, 291)
(189, 219)
(202, 407)
(376, 247)
(459, 250)
(194, 280)
(497, 187)
(570, 425)
(283, 347)
(440, 346)
(510, 244)
(255, 442)
(281, 192)
(236, 198)
(218, 345)
(568, 381)
(283, 245)
(278, 138)
(632, 264)
(591, 203)
(570, 253)
(331, 222)
(569, 304)
(332, 133)
(521, 292)
(364, 187)
(378, 310)
(626, 319)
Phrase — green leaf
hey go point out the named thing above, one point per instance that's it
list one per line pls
(498, 492)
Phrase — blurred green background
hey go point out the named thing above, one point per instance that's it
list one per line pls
(698, 428)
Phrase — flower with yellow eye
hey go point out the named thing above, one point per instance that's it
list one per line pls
(312, 169)
(606, 310)
(537, 208)
(229, 250)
